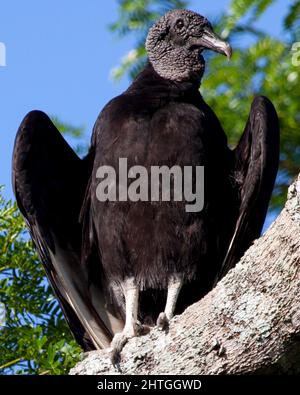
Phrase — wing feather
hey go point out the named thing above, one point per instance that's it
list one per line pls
(49, 182)
(256, 159)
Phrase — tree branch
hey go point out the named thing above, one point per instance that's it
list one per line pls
(249, 323)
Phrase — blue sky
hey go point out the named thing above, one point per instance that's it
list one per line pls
(59, 58)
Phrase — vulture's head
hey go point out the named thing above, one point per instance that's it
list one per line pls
(175, 44)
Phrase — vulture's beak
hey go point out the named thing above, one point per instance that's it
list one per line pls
(209, 40)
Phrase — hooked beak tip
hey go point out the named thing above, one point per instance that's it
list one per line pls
(228, 51)
(211, 41)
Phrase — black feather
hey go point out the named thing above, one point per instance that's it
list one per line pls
(89, 247)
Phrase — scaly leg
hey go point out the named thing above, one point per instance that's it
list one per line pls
(174, 286)
(131, 328)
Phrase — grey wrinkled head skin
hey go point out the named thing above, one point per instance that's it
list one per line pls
(175, 43)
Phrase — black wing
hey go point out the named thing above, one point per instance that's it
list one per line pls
(49, 182)
(256, 159)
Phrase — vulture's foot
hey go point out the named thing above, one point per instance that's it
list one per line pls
(120, 339)
(117, 344)
(174, 285)
(162, 321)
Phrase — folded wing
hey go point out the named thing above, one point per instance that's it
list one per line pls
(256, 159)
(49, 182)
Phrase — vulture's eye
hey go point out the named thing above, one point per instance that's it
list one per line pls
(179, 24)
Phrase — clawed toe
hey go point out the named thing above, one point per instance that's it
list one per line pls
(120, 339)
(117, 344)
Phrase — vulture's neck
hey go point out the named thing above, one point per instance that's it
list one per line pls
(151, 82)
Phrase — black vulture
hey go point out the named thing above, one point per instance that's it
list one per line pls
(117, 265)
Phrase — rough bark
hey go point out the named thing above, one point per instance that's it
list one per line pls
(249, 323)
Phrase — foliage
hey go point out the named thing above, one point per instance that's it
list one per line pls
(74, 134)
(35, 338)
(264, 67)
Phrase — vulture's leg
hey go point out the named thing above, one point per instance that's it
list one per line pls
(131, 328)
(174, 286)
(131, 293)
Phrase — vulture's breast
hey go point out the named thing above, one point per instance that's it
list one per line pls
(151, 239)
